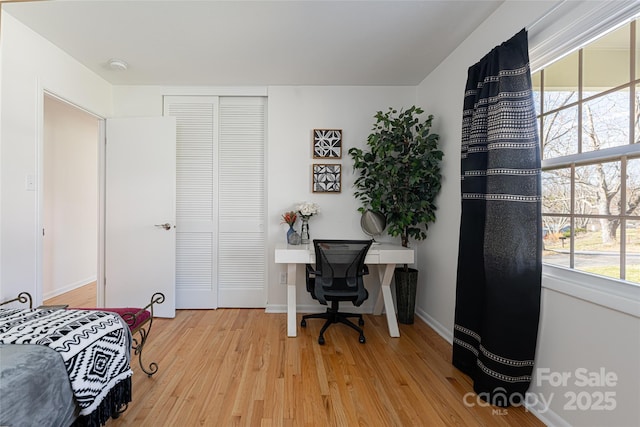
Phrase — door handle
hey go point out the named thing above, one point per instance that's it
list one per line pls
(166, 226)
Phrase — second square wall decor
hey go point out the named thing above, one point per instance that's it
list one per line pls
(327, 178)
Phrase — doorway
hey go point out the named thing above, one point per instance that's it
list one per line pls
(70, 194)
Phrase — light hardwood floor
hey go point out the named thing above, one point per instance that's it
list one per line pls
(236, 367)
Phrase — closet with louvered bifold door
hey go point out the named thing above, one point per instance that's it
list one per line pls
(220, 200)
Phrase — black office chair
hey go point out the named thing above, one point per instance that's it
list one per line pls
(338, 277)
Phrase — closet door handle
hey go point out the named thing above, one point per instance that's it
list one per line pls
(166, 226)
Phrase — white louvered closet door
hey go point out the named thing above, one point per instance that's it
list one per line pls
(241, 244)
(220, 244)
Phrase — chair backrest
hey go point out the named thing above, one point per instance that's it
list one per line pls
(340, 267)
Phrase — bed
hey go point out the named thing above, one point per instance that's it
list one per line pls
(63, 367)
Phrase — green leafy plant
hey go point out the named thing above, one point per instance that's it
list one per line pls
(399, 175)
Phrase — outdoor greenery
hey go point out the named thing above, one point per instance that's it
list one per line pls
(589, 123)
(557, 244)
(399, 175)
(591, 241)
(633, 273)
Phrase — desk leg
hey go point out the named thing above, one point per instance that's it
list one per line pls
(379, 305)
(385, 297)
(291, 300)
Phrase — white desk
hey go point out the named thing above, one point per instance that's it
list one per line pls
(379, 255)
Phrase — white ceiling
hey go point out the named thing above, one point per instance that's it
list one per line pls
(238, 43)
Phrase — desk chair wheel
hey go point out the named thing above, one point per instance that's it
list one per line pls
(303, 323)
(362, 339)
(321, 340)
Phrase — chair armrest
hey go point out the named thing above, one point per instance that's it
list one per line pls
(310, 280)
(310, 271)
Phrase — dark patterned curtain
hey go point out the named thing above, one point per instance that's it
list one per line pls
(500, 249)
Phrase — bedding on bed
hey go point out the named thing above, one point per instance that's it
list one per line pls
(35, 374)
(94, 346)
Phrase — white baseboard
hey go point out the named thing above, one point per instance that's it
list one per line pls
(548, 417)
(435, 325)
(308, 308)
(69, 287)
(275, 308)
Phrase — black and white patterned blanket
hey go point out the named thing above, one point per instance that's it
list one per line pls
(95, 346)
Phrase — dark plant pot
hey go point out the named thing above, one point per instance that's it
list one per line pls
(406, 285)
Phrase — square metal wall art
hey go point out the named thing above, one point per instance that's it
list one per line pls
(327, 178)
(327, 143)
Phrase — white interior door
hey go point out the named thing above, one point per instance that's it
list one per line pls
(140, 237)
(197, 200)
(241, 245)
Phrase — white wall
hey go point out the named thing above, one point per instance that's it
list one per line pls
(441, 94)
(575, 332)
(70, 187)
(30, 65)
(293, 112)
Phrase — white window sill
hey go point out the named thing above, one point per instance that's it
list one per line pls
(614, 294)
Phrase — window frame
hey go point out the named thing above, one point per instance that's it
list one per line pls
(566, 29)
(621, 153)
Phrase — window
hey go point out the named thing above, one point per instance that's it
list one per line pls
(588, 108)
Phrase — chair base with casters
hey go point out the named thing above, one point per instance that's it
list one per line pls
(333, 315)
(338, 276)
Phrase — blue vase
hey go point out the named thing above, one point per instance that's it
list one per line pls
(293, 238)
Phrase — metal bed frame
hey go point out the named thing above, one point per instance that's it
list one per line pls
(130, 318)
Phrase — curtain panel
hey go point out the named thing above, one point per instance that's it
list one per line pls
(500, 248)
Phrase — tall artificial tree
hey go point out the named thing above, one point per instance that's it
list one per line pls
(399, 175)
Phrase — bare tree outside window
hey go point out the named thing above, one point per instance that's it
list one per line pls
(589, 120)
